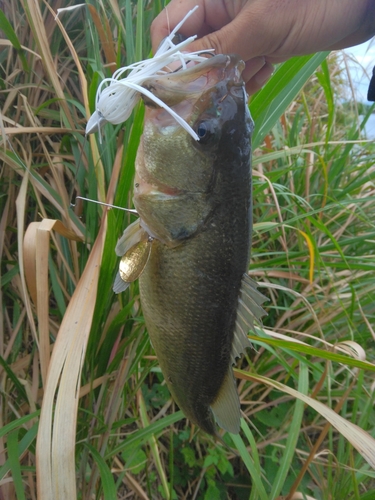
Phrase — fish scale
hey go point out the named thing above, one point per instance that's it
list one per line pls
(189, 298)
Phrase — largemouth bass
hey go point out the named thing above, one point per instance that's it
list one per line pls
(191, 246)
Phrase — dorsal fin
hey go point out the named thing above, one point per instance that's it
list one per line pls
(249, 308)
(252, 298)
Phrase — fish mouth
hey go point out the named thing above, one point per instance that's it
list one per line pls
(172, 88)
(183, 88)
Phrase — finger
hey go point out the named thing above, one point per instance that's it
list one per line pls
(252, 67)
(257, 81)
(231, 38)
(175, 11)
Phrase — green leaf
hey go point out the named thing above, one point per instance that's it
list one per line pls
(209, 460)
(293, 435)
(135, 460)
(94, 84)
(8, 276)
(258, 490)
(108, 483)
(324, 79)
(144, 434)
(189, 456)
(212, 492)
(20, 388)
(129, 37)
(22, 446)
(139, 33)
(18, 423)
(314, 351)
(14, 464)
(9, 32)
(271, 101)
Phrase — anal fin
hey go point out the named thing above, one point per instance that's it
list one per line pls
(226, 407)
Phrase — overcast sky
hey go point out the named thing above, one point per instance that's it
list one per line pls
(365, 55)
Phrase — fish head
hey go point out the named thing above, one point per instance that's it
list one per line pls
(171, 165)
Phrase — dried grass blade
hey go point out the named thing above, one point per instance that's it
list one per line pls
(40, 130)
(77, 62)
(39, 249)
(99, 169)
(119, 16)
(41, 268)
(29, 259)
(56, 438)
(30, 249)
(32, 8)
(21, 207)
(55, 451)
(3, 225)
(302, 496)
(104, 31)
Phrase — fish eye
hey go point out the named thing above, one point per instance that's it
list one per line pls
(202, 130)
(205, 131)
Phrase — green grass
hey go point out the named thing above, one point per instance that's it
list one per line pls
(120, 435)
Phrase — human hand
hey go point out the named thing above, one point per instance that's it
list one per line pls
(265, 32)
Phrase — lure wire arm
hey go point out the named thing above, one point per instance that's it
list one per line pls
(131, 210)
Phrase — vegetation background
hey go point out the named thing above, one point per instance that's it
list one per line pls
(84, 412)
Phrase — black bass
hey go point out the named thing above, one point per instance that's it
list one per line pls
(191, 246)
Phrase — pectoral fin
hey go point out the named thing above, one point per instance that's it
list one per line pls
(134, 246)
(119, 285)
(133, 234)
